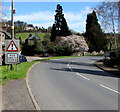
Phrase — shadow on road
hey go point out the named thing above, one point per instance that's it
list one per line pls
(89, 72)
(67, 62)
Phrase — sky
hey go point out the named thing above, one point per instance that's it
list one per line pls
(41, 14)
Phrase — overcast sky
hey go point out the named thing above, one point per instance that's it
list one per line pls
(41, 14)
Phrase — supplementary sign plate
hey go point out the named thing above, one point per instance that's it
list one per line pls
(11, 57)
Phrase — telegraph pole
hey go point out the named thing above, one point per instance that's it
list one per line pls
(1, 33)
(12, 20)
(12, 27)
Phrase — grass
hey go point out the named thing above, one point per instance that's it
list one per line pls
(26, 35)
(23, 68)
(13, 74)
(117, 67)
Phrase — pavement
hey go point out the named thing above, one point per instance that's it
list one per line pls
(111, 70)
(15, 95)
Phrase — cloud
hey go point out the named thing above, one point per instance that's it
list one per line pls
(37, 16)
(44, 24)
(75, 20)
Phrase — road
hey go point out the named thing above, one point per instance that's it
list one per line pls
(73, 84)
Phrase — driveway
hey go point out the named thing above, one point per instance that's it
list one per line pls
(31, 58)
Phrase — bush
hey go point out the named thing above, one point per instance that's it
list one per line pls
(113, 54)
(63, 50)
(31, 49)
(47, 36)
(110, 62)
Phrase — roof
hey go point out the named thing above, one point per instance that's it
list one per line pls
(33, 36)
(7, 35)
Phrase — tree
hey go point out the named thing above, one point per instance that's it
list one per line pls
(53, 33)
(49, 29)
(94, 35)
(60, 27)
(108, 13)
(38, 47)
(64, 28)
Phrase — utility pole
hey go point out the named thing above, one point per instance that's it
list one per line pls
(1, 33)
(12, 19)
(12, 26)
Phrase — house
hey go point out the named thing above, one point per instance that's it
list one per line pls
(29, 28)
(3, 35)
(31, 38)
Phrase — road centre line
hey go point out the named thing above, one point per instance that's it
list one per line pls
(82, 76)
(89, 79)
(110, 89)
(70, 67)
(77, 73)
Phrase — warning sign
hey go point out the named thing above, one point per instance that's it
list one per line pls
(12, 51)
(12, 45)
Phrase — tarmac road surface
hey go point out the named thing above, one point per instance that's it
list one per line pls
(73, 84)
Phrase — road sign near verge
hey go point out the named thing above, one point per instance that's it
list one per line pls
(11, 57)
(12, 51)
(12, 45)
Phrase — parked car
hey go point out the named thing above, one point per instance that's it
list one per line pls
(22, 58)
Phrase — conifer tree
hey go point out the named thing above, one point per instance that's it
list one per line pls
(60, 27)
(53, 33)
(94, 34)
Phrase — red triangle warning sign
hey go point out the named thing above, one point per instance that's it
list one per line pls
(12, 47)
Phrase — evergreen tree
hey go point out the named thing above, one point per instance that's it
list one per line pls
(60, 27)
(94, 35)
(53, 33)
(64, 28)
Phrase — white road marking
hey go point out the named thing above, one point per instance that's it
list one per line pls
(89, 79)
(69, 67)
(82, 76)
(110, 89)
(76, 73)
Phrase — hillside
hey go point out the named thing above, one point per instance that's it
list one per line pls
(26, 35)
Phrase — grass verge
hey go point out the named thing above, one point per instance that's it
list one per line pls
(23, 68)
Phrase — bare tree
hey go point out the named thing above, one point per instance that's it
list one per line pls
(108, 13)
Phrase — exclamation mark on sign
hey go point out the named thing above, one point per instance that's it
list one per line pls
(12, 47)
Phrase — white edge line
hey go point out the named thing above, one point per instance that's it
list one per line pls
(30, 91)
(110, 89)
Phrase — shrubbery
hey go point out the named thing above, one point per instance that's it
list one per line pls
(41, 47)
(63, 50)
(114, 59)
